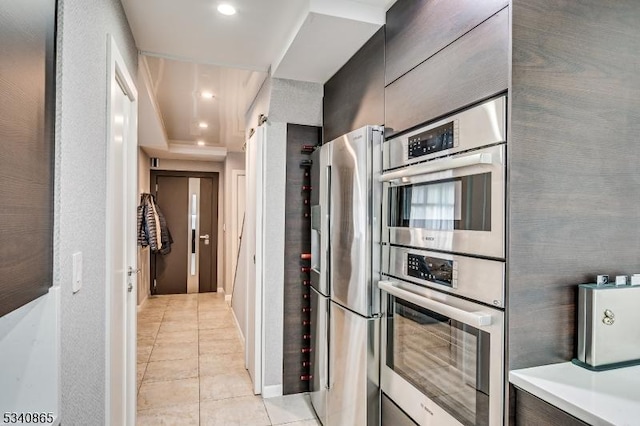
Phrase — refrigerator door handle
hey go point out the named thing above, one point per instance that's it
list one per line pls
(326, 265)
(328, 328)
(477, 319)
(326, 231)
(316, 236)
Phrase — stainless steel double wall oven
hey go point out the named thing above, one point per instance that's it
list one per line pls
(443, 265)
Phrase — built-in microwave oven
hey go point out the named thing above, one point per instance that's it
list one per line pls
(444, 184)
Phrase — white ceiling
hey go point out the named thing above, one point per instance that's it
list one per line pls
(322, 33)
(193, 30)
(188, 47)
(178, 87)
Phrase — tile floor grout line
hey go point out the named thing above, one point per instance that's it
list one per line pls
(169, 405)
(140, 386)
(155, 340)
(153, 345)
(267, 411)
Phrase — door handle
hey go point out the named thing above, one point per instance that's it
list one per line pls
(131, 272)
(437, 166)
(476, 319)
(205, 238)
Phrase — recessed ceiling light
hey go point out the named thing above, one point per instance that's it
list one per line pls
(207, 95)
(200, 143)
(203, 125)
(226, 9)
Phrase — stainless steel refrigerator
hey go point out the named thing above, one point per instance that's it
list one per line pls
(345, 300)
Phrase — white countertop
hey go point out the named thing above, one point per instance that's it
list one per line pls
(598, 398)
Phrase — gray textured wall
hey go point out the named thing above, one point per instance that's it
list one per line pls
(282, 101)
(275, 156)
(297, 102)
(80, 196)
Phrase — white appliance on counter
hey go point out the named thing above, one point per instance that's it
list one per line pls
(345, 300)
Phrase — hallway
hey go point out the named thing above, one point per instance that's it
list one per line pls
(191, 371)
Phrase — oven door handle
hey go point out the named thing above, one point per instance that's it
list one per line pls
(438, 166)
(476, 319)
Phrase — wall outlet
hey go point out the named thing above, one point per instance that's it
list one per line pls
(77, 272)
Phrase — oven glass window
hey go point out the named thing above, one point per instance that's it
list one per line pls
(461, 203)
(446, 360)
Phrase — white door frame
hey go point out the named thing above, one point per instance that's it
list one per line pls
(260, 250)
(254, 208)
(118, 75)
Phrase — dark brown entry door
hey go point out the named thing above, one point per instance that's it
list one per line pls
(208, 246)
(189, 202)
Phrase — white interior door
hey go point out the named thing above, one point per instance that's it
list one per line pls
(238, 190)
(253, 235)
(249, 241)
(121, 243)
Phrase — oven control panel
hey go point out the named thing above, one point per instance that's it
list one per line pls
(439, 271)
(430, 141)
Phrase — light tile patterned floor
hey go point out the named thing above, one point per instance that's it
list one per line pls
(191, 369)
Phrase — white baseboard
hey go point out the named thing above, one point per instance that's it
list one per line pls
(271, 391)
(220, 290)
(235, 320)
(141, 305)
(227, 298)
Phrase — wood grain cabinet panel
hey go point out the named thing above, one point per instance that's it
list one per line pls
(354, 96)
(471, 69)
(27, 104)
(574, 181)
(532, 411)
(417, 29)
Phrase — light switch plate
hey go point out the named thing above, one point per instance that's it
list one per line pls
(77, 272)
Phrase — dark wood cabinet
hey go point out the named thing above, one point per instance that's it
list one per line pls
(417, 29)
(354, 96)
(532, 411)
(573, 156)
(27, 113)
(473, 68)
